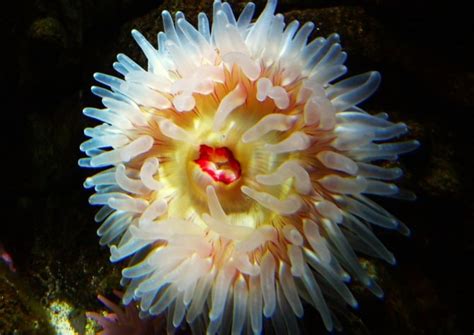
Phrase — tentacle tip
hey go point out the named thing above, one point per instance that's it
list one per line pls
(88, 183)
(403, 126)
(375, 75)
(404, 230)
(398, 172)
(330, 328)
(375, 289)
(355, 305)
(392, 261)
(346, 278)
(212, 315)
(113, 259)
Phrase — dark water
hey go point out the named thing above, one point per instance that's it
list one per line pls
(50, 50)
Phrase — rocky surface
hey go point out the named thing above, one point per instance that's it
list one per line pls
(51, 49)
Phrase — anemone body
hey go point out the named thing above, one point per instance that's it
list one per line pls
(237, 169)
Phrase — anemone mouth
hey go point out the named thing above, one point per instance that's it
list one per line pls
(219, 164)
(238, 173)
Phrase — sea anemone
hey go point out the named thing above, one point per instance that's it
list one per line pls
(237, 172)
(124, 321)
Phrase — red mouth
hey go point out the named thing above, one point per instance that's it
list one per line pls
(219, 163)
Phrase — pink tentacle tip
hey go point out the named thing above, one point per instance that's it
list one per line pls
(5, 256)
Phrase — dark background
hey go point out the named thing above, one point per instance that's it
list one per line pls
(51, 48)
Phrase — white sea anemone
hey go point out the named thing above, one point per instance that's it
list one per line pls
(237, 172)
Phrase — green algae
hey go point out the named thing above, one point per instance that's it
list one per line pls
(20, 311)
